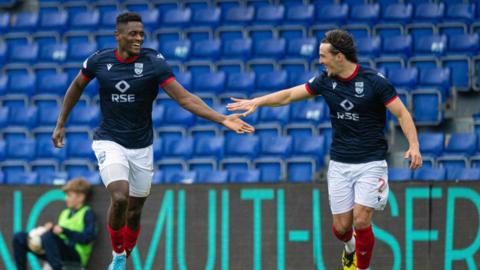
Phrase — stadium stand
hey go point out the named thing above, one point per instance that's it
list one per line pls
(218, 49)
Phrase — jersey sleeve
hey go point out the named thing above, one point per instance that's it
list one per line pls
(89, 67)
(314, 85)
(385, 89)
(164, 72)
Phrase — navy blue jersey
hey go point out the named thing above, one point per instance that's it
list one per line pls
(358, 113)
(128, 88)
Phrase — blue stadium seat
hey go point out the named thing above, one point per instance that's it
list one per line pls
(180, 177)
(105, 40)
(24, 84)
(157, 177)
(274, 114)
(244, 176)
(463, 174)
(427, 115)
(56, 52)
(79, 146)
(269, 15)
(313, 147)
(202, 164)
(278, 146)
(176, 115)
(272, 81)
(237, 49)
(300, 169)
(25, 21)
(85, 116)
(464, 44)
(460, 12)
(332, 13)
(302, 48)
(54, 21)
(207, 17)
(20, 148)
(430, 45)
(206, 49)
(23, 53)
(452, 28)
(168, 167)
(431, 144)
(368, 46)
(46, 150)
(302, 130)
(436, 77)
(52, 83)
(178, 148)
(85, 20)
(243, 82)
(185, 79)
(198, 33)
(460, 71)
(47, 115)
(209, 147)
(212, 82)
(242, 146)
(22, 116)
(417, 30)
(300, 15)
(157, 148)
(387, 30)
(176, 17)
(429, 12)
(79, 51)
(176, 49)
(52, 178)
(3, 53)
(462, 144)
(452, 161)
(77, 168)
(4, 22)
(108, 19)
(3, 117)
(307, 112)
(270, 48)
(301, 78)
(399, 174)
(397, 46)
(403, 77)
(271, 169)
(475, 161)
(207, 130)
(20, 178)
(428, 174)
(217, 177)
(150, 19)
(397, 13)
(239, 15)
(364, 13)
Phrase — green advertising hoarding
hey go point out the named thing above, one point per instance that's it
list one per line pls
(272, 226)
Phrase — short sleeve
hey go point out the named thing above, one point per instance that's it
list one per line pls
(385, 89)
(89, 67)
(164, 72)
(314, 85)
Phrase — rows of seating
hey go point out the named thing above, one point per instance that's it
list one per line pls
(273, 154)
(102, 15)
(435, 174)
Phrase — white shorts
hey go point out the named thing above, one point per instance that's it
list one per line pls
(365, 184)
(116, 163)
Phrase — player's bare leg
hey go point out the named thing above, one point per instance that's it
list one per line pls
(132, 228)
(362, 220)
(342, 229)
(116, 221)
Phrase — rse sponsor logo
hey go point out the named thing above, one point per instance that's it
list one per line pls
(123, 98)
(348, 116)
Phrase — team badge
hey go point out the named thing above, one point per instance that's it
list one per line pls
(359, 89)
(138, 69)
(101, 157)
(334, 85)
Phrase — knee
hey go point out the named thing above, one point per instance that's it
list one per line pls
(361, 222)
(119, 200)
(134, 213)
(342, 227)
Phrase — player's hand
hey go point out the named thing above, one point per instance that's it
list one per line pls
(48, 226)
(57, 136)
(247, 105)
(236, 124)
(413, 153)
(57, 229)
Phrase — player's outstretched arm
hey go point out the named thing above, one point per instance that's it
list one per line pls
(275, 99)
(397, 108)
(196, 106)
(71, 98)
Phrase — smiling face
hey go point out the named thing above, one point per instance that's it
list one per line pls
(130, 37)
(329, 60)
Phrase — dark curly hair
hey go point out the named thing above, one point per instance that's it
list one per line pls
(341, 42)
